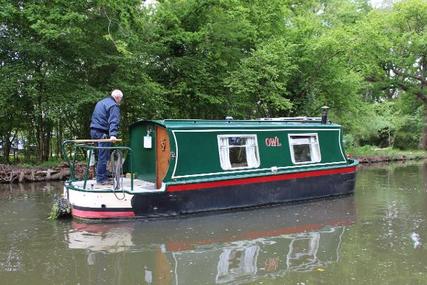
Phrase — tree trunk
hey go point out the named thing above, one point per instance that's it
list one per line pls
(6, 149)
(39, 129)
(44, 133)
(424, 175)
(59, 140)
(47, 134)
(39, 134)
(7, 144)
(31, 136)
(424, 143)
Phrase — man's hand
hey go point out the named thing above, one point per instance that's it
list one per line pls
(113, 138)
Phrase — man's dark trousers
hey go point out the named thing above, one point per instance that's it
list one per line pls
(103, 155)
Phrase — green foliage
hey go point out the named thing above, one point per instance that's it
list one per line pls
(388, 152)
(61, 208)
(408, 131)
(210, 59)
(259, 86)
(396, 56)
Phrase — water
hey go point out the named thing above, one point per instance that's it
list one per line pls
(377, 236)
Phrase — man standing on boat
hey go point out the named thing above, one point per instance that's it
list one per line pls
(105, 124)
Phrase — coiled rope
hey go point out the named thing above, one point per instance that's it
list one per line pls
(117, 172)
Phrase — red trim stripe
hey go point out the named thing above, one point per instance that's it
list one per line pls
(91, 214)
(262, 179)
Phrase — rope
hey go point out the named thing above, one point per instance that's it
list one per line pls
(117, 171)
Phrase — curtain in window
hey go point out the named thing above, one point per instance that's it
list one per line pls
(224, 154)
(251, 155)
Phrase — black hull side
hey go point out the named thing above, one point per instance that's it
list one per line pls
(242, 196)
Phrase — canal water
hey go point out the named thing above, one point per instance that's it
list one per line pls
(376, 236)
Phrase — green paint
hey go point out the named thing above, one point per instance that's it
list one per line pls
(194, 147)
(143, 159)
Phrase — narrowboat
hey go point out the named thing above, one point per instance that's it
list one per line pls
(176, 167)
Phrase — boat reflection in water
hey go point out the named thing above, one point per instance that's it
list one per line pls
(225, 248)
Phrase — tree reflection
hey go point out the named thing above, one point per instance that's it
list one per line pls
(425, 175)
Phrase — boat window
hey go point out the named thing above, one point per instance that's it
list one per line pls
(238, 151)
(304, 148)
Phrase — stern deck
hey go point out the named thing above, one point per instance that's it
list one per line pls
(139, 186)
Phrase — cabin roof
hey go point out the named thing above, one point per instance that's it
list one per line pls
(232, 124)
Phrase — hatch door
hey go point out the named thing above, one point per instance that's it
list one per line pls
(162, 155)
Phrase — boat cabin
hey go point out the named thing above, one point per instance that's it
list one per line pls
(185, 151)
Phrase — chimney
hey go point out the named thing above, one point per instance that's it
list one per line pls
(325, 114)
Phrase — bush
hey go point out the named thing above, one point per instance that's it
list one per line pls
(408, 134)
(349, 141)
(406, 139)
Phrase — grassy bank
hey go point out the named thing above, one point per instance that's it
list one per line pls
(45, 164)
(372, 154)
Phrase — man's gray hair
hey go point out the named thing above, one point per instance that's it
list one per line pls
(117, 93)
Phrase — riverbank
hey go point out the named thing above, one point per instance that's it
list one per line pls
(370, 154)
(37, 173)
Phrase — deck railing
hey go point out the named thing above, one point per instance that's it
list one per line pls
(71, 148)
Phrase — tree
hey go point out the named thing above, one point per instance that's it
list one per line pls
(408, 52)
(67, 54)
(208, 59)
(394, 48)
(259, 86)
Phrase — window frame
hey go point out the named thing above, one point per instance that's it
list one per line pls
(291, 148)
(219, 137)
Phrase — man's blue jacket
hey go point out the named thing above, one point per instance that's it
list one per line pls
(106, 116)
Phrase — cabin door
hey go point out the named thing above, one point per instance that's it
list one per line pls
(162, 155)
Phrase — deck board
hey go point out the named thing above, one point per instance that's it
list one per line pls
(139, 185)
